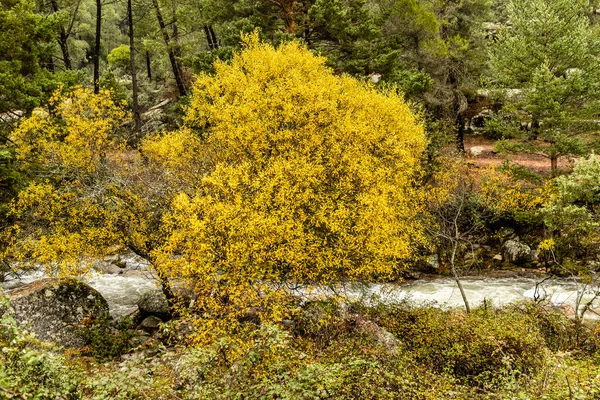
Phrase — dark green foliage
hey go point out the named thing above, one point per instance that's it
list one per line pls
(204, 61)
(549, 52)
(344, 31)
(25, 54)
(414, 84)
(107, 340)
(473, 347)
(501, 125)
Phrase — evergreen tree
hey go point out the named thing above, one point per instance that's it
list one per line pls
(25, 38)
(549, 51)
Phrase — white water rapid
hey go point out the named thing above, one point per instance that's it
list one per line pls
(122, 291)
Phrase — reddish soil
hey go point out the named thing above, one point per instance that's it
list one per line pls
(490, 157)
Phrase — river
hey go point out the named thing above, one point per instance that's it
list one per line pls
(122, 291)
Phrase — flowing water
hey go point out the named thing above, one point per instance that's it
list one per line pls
(122, 291)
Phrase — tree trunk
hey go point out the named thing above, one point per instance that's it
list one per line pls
(148, 66)
(535, 129)
(290, 23)
(96, 54)
(288, 16)
(287, 13)
(457, 279)
(172, 58)
(211, 38)
(175, 37)
(460, 133)
(62, 39)
(554, 165)
(64, 48)
(137, 121)
(214, 37)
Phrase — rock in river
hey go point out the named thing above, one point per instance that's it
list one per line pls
(55, 309)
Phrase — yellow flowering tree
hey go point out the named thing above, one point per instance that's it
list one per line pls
(65, 212)
(311, 175)
(284, 172)
(307, 177)
(508, 196)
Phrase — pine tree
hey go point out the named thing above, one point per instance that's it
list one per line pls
(548, 50)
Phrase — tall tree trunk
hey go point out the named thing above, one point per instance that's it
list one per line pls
(460, 133)
(172, 58)
(554, 165)
(137, 121)
(175, 37)
(214, 37)
(97, 47)
(211, 38)
(64, 48)
(287, 6)
(62, 39)
(148, 66)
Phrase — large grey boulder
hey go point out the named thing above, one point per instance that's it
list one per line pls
(154, 304)
(516, 252)
(56, 310)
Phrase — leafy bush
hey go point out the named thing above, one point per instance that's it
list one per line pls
(473, 347)
(105, 340)
(571, 214)
(119, 57)
(510, 195)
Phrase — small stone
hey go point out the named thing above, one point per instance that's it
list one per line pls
(288, 323)
(476, 150)
(111, 269)
(507, 233)
(498, 257)
(534, 255)
(433, 261)
(150, 324)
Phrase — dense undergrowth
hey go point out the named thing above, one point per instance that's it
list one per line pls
(524, 351)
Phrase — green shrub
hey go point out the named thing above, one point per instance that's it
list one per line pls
(560, 332)
(322, 322)
(105, 340)
(472, 347)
